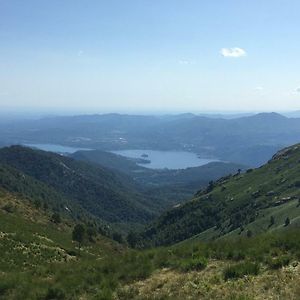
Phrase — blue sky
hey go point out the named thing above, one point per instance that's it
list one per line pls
(154, 55)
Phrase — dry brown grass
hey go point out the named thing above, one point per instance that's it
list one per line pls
(23, 207)
(283, 284)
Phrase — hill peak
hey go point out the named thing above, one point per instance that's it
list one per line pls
(268, 116)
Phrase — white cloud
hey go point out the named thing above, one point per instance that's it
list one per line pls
(183, 62)
(258, 88)
(297, 90)
(186, 62)
(233, 52)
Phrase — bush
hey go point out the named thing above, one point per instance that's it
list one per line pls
(5, 286)
(279, 262)
(55, 218)
(55, 294)
(287, 222)
(118, 237)
(193, 264)
(240, 270)
(9, 208)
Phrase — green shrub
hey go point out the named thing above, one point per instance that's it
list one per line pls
(9, 208)
(162, 259)
(278, 262)
(193, 264)
(54, 293)
(4, 287)
(55, 218)
(240, 270)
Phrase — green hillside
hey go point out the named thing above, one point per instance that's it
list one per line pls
(39, 259)
(166, 187)
(259, 200)
(109, 160)
(38, 256)
(97, 190)
(39, 194)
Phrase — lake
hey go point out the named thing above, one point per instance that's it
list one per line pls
(166, 159)
(55, 148)
(158, 159)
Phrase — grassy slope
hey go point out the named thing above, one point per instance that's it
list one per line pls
(39, 194)
(39, 261)
(210, 284)
(37, 254)
(237, 204)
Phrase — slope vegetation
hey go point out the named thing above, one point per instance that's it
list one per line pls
(259, 200)
(39, 261)
(97, 190)
(166, 187)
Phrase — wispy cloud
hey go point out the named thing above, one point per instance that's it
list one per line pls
(233, 52)
(260, 91)
(186, 62)
(297, 90)
(259, 88)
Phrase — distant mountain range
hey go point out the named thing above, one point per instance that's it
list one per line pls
(248, 140)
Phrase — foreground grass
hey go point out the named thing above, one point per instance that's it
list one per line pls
(38, 260)
(184, 272)
(210, 284)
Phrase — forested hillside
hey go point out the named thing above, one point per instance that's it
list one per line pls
(166, 187)
(97, 190)
(256, 201)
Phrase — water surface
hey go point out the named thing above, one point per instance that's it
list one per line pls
(55, 148)
(166, 159)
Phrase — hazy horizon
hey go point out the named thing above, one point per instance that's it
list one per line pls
(33, 112)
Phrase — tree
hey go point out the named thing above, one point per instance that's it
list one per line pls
(272, 221)
(249, 233)
(210, 187)
(37, 203)
(91, 233)
(56, 218)
(78, 234)
(118, 237)
(287, 221)
(132, 239)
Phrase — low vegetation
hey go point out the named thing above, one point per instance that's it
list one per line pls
(257, 201)
(42, 262)
(48, 254)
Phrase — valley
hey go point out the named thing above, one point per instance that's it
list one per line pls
(149, 150)
(221, 230)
